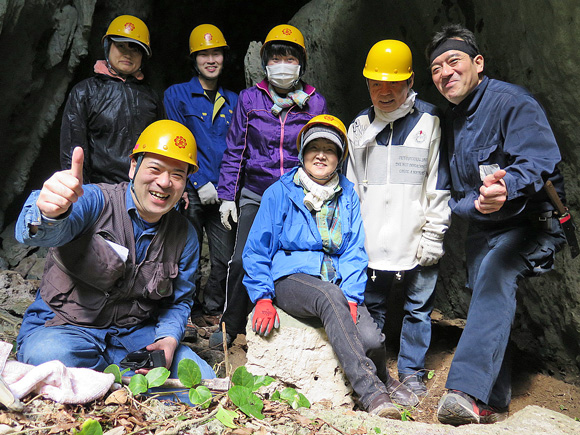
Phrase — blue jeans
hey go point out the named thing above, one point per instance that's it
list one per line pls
(92, 348)
(221, 246)
(419, 289)
(308, 297)
(496, 260)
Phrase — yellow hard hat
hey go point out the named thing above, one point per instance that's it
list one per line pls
(170, 139)
(127, 28)
(285, 33)
(389, 61)
(315, 133)
(206, 36)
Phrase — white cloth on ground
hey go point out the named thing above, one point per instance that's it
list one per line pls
(53, 380)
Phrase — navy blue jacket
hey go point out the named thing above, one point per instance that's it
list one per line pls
(209, 122)
(501, 123)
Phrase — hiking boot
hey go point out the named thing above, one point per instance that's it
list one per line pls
(216, 340)
(212, 320)
(190, 335)
(457, 408)
(384, 407)
(414, 383)
(400, 394)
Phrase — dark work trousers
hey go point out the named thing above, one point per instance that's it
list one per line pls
(497, 258)
(210, 299)
(238, 304)
(359, 348)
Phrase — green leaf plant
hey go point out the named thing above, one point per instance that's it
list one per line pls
(241, 394)
(90, 427)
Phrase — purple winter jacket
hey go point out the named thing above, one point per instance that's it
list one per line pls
(261, 147)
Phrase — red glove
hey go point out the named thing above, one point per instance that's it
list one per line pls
(353, 310)
(264, 317)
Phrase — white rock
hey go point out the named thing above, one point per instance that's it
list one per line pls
(300, 356)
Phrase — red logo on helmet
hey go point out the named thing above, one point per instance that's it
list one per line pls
(180, 142)
(329, 118)
(129, 27)
(208, 37)
(287, 31)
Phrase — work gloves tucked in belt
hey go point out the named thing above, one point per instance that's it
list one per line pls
(264, 317)
(227, 209)
(208, 194)
(430, 249)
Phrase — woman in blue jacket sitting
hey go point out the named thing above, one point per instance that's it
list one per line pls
(305, 252)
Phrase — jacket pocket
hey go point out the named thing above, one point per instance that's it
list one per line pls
(486, 155)
(75, 302)
(160, 284)
(99, 267)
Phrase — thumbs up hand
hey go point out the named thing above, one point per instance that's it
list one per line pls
(63, 189)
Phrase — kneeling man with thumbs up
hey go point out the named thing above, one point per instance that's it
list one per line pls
(119, 273)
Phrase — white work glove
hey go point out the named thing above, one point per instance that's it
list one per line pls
(227, 209)
(430, 249)
(208, 194)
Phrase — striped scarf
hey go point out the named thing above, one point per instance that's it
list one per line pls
(328, 222)
(297, 96)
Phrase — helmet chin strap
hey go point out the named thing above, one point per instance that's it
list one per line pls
(132, 185)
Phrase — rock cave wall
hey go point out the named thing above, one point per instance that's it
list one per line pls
(48, 46)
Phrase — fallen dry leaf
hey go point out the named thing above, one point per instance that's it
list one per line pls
(119, 397)
(304, 421)
(116, 431)
(63, 427)
(4, 419)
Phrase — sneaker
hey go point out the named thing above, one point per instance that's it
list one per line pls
(400, 393)
(414, 383)
(457, 408)
(491, 414)
(384, 407)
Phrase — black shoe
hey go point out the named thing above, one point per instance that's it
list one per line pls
(190, 335)
(384, 407)
(216, 340)
(400, 393)
(414, 383)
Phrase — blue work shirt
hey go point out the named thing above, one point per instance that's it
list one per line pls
(175, 309)
(209, 122)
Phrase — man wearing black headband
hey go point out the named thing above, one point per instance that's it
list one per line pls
(501, 152)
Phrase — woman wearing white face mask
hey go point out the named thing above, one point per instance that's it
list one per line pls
(261, 147)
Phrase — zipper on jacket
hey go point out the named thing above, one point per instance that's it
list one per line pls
(281, 149)
(389, 148)
(131, 109)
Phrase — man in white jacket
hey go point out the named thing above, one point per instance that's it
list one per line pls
(394, 165)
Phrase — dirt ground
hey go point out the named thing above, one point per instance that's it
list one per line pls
(529, 385)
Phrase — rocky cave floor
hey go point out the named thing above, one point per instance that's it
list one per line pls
(152, 417)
